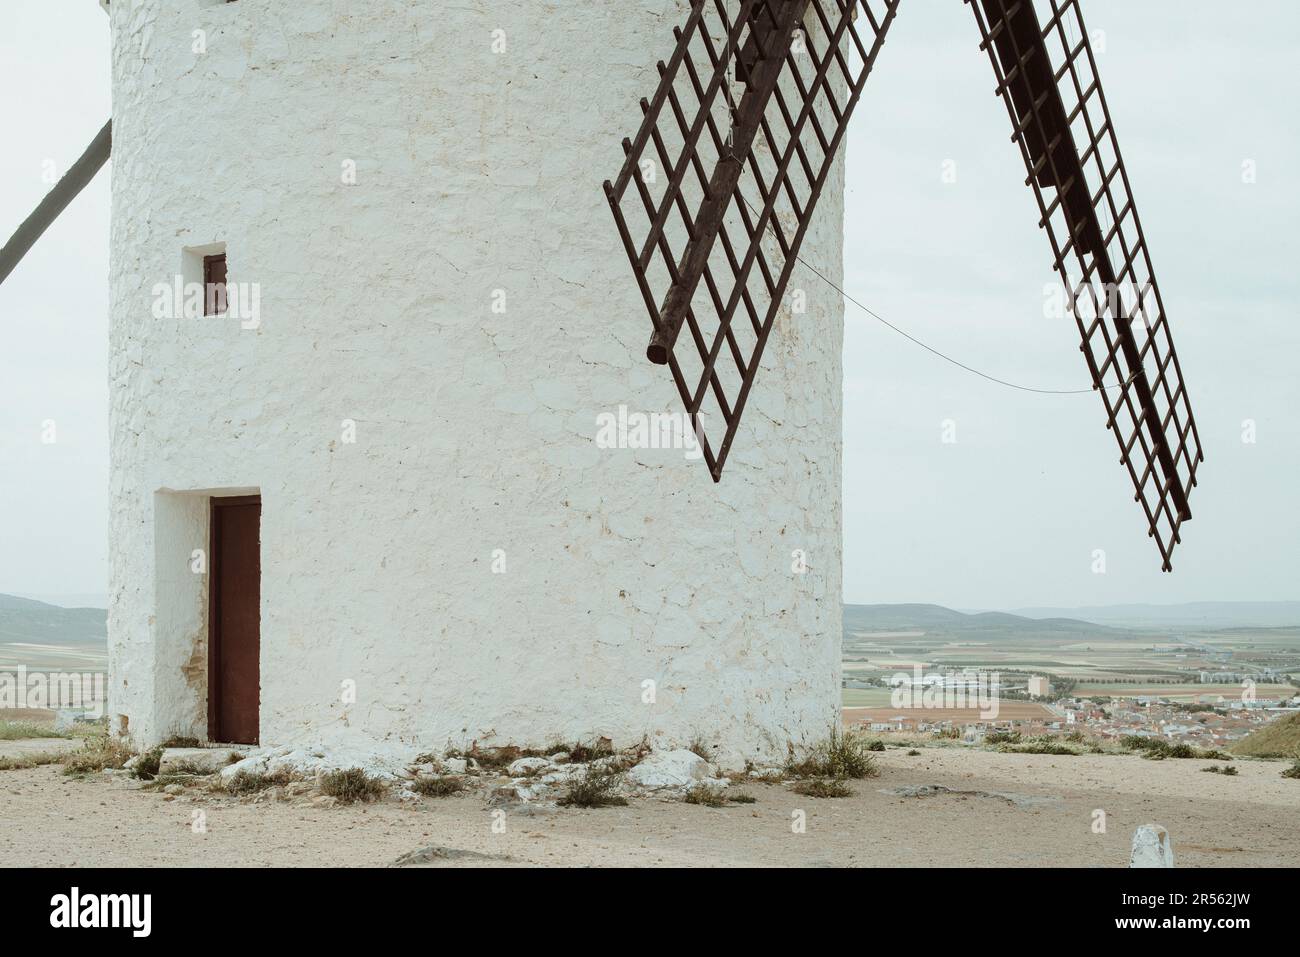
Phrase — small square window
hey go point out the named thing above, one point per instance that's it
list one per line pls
(214, 285)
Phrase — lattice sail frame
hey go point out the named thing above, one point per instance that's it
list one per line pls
(723, 177)
(715, 206)
(1047, 74)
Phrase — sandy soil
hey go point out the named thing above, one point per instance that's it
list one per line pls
(26, 746)
(1251, 819)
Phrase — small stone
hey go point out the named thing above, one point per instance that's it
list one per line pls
(559, 757)
(526, 767)
(506, 794)
(174, 789)
(1152, 847)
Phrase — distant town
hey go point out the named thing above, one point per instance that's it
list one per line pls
(926, 669)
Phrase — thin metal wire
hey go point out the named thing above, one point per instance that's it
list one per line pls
(928, 348)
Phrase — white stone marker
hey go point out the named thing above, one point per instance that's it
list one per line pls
(1152, 847)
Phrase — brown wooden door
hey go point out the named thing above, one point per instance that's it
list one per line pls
(234, 630)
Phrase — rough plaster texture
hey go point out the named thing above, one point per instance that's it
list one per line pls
(477, 171)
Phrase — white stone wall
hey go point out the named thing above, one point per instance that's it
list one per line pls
(476, 172)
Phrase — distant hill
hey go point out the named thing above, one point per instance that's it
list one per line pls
(1195, 616)
(1277, 739)
(27, 621)
(976, 626)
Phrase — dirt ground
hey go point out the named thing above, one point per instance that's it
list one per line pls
(1251, 819)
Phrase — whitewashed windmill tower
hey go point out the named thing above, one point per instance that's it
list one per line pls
(384, 479)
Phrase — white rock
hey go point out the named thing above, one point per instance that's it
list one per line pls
(455, 765)
(202, 760)
(254, 764)
(525, 767)
(670, 769)
(508, 794)
(291, 761)
(562, 774)
(1152, 847)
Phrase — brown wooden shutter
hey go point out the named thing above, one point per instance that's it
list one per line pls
(214, 284)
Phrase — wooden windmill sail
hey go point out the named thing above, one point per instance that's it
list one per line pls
(56, 200)
(720, 184)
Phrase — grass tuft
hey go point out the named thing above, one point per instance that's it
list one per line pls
(586, 753)
(597, 787)
(1002, 737)
(822, 788)
(35, 759)
(840, 756)
(1044, 744)
(494, 759)
(146, 766)
(706, 796)
(251, 782)
(351, 786)
(100, 753)
(20, 730)
(1156, 749)
(431, 786)
(1294, 770)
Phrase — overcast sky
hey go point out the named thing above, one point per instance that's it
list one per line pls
(1007, 516)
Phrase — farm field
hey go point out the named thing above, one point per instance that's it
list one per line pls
(866, 697)
(1007, 711)
(1178, 692)
(50, 657)
(1102, 660)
